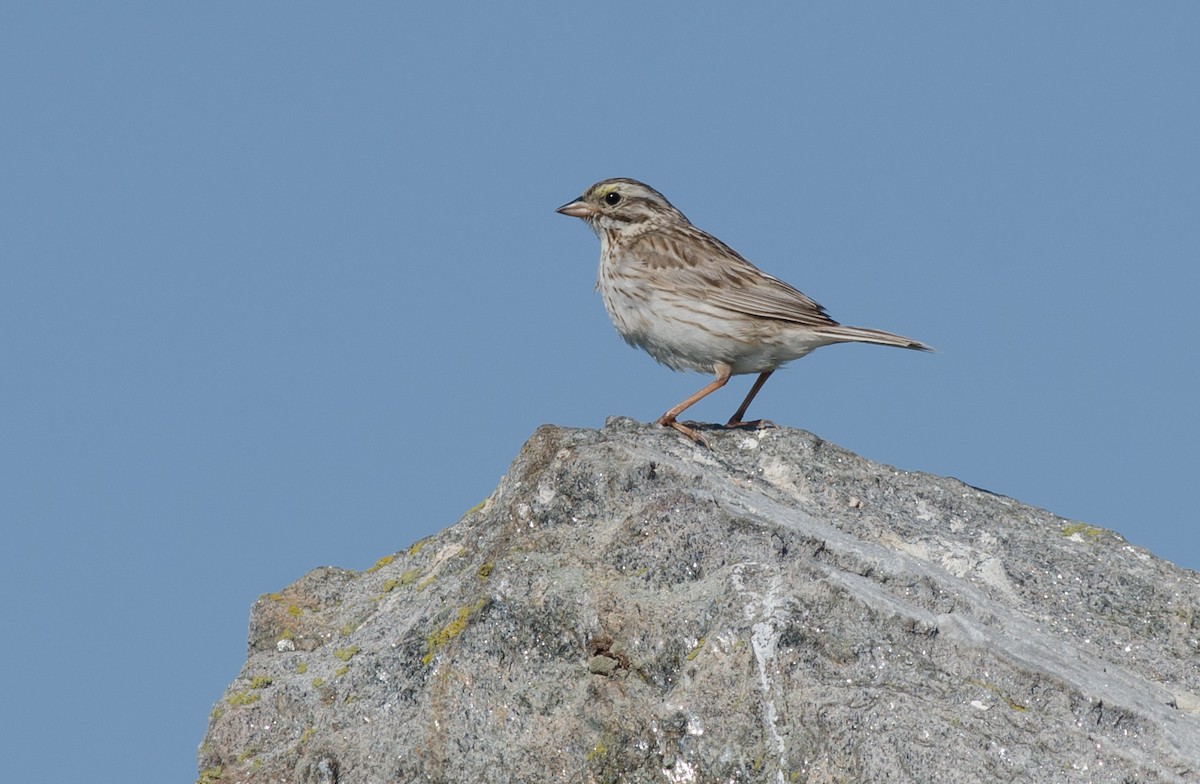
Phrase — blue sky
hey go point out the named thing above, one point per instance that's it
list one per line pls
(283, 286)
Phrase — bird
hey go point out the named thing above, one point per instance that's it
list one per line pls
(693, 303)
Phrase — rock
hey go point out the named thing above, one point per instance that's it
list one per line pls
(629, 607)
(603, 665)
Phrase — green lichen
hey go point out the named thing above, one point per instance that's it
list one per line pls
(308, 733)
(475, 508)
(318, 682)
(295, 610)
(211, 775)
(390, 584)
(346, 654)
(382, 562)
(438, 640)
(347, 628)
(606, 760)
(694, 652)
(260, 681)
(301, 668)
(421, 586)
(275, 597)
(340, 671)
(417, 545)
(216, 713)
(1090, 531)
(485, 570)
(243, 697)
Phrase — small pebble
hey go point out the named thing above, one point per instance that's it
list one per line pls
(602, 665)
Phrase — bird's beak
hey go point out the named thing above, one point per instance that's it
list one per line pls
(577, 209)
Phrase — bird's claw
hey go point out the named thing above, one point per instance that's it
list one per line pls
(687, 431)
(754, 424)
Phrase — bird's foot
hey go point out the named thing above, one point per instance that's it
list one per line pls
(666, 421)
(754, 424)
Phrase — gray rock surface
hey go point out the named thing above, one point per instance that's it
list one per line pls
(629, 607)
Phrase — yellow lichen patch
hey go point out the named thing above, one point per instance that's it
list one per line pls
(410, 576)
(340, 671)
(260, 681)
(347, 628)
(421, 586)
(389, 585)
(210, 775)
(217, 712)
(275, 597)
(308, 733)
(382, 562)
(476, 507)
(318, 682)
(485, 570)
(346, 654)
(1084, 529)
(243, 697)
(435, 642)
(295, 610)
(596, 752)
(694, 652)
(301, 668)
(416, 546)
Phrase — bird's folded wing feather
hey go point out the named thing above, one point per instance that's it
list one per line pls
(721, 277)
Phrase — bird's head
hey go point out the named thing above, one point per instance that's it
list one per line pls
(623, 206)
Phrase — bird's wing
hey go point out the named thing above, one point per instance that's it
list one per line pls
(694, 260)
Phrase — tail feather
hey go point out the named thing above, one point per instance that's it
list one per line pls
(867, 335)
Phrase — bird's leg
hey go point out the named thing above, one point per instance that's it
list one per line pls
(668, 419)
(736, 419)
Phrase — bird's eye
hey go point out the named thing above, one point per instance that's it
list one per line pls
(612, 198)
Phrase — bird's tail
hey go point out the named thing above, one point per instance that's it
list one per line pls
(866, 335)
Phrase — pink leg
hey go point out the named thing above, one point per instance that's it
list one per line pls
(668, 419)
(736, 419)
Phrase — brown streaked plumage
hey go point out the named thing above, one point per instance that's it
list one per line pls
(693, 303)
